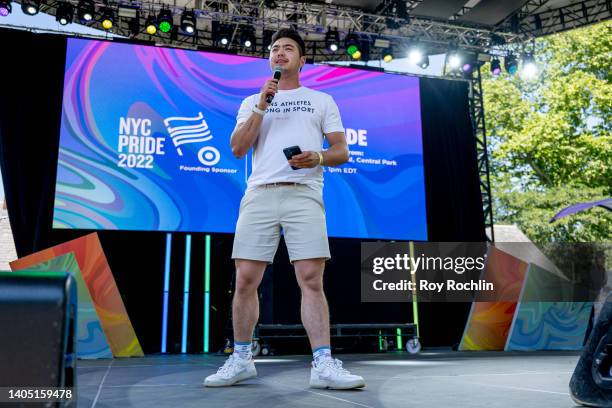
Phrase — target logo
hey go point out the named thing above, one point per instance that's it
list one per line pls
(209, 156)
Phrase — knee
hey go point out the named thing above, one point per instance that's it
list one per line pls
(311, 280)
(245, 285)
(248, 276)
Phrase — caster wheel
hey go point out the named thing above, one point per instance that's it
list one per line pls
(413, 346)
(265, 351)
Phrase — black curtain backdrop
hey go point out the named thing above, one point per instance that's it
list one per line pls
(29, 137)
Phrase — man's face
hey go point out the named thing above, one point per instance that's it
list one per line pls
(285, 53)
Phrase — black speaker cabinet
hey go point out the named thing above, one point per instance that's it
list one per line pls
(38, 339)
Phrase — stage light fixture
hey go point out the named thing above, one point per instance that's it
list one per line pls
(332, 39)
(5, 8)
(415, 54)
(247, 37)
(467, 67)
(496, 67)
(226, 34)
(221, 33)
(86, 11)
(64, 13)
(511, 64)
(388, 55)
(424, 62)
(351, 44)
(530, 68)
(108, 18)
(356, 55)
(30, 7)
(267, 39)
(165, 20)
(188, 22)
(454, 59)
(151, 25)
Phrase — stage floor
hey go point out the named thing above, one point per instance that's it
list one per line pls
(430, 379)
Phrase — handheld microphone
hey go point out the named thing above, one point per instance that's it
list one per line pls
(277, 75)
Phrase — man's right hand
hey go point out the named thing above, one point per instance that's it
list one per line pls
(269, 88)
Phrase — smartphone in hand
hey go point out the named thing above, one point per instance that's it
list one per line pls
(290, 152)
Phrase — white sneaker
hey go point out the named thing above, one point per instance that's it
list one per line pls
(330, 374)
(234, 370)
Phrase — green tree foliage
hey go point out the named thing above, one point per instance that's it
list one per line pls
(550, 138)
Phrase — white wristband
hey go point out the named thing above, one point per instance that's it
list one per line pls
(257, 110)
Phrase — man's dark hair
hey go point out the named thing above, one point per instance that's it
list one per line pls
(294, 35)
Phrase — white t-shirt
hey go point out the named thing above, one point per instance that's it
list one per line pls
(299, 117)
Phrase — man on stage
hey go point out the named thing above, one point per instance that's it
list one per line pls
(279, 196)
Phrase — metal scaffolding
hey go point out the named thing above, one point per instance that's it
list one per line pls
(533, 21)
(477, 114)
(311, 19)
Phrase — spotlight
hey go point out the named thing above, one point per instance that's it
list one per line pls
(467, 67)
(85, 11)
(351, 43)
(165, 20)
(454, 59)
(221, 33)
(415, 54)
(30, 7)
(356, 55)
(424, 63)
(64, 13)
(108, 18)
(247, 37)
(188, 22)
(511, 64)
(388, 55)
(225, 35)
(151, 25)
(332, 39)
(495, 67)
(267, 39)
(5, 8)
(530, 69)
(271, 4)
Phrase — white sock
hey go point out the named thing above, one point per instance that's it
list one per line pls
(321, 354)
(243, 349)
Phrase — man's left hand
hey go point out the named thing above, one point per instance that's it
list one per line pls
(305, 160)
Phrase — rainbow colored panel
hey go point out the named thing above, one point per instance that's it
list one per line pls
(547, 325)
(102, 289)
(91, 340)
(489, 323)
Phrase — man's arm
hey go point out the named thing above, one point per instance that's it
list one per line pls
(336, 155)
(246, 133)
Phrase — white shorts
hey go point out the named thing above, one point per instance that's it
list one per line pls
(297, 209)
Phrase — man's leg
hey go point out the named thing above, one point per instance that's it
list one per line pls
(326, 371)
(245, 312)
(245, 306)
(314, 309)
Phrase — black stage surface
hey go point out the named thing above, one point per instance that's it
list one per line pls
(430, 379)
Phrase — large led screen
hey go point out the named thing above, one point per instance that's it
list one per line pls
(145, 134)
